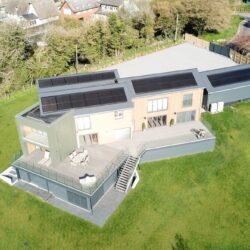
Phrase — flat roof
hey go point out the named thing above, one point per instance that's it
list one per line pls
(180, 57)
(35, 113)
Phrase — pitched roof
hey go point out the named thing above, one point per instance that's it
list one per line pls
(115, 3)
(81, 5)
(44, 9)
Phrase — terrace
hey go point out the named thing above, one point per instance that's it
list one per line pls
(105, 159)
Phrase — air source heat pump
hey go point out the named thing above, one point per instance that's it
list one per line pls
(220, 106)
(213, 108)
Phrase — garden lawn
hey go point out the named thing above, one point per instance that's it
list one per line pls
(226, 34)
(203, 197)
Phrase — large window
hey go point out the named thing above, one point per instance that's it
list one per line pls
(187, 100)
(158, 105)
(83, 123)
(186, 116)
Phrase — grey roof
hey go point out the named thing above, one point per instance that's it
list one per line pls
(196, 74)
(77, 87)
(207, 84)
(44, 9)
(2, 3)
(115, 3)
(35, 113)
(125, 83)
(81, 5)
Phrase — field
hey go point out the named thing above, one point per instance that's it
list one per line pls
(203, 197)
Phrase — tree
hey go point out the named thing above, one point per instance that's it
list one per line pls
(145, 26)
(165, 19)
(117, 33)
(14, 50)
(93, 44)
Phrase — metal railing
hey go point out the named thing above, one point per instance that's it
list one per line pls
(70, 181)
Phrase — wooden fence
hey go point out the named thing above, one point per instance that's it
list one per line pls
(197, 41)
(234, 55)
(239, 58)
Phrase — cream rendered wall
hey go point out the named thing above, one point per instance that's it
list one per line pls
(175, 105)
(105, 124)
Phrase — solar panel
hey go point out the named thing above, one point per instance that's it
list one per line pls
(83, 78)
(152, 84)
(232, 77)
(81, 100)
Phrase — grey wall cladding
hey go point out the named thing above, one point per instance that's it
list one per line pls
(178, 150)
(230, 96)
(101, 190)
(39, 181)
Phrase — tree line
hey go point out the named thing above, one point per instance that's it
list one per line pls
(69, 43)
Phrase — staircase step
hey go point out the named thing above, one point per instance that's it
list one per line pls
(122, 182)
(121, 186)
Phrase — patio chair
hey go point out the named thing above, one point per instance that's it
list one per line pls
(45, 159)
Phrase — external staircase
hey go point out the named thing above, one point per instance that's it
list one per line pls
(126, 174)
(9, 176)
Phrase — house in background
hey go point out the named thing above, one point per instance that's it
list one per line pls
(88, 133)
(79, 9)
(108, 7)
(2, 10)
(31, 13)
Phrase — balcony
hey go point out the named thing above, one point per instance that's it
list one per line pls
(37, 139)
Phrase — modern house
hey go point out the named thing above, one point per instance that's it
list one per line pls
(89, 132)
(225, 86)
(31, 13)
(79, 9)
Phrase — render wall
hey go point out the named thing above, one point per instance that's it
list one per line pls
(175, 101)
(105, 124)
(62, 137)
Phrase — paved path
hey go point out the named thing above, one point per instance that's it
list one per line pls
(179, 57)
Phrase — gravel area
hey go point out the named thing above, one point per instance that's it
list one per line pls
(179, 57)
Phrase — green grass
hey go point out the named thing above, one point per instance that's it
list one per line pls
(226, 34)
(203, 197)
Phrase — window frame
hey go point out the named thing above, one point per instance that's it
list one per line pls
(118, 117)
(84, 127)
(189, 102)
(157, 105)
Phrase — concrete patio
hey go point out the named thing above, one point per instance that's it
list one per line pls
(162, 136)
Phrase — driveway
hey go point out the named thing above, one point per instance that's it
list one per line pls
(241, 41)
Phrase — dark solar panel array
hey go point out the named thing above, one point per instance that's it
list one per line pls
(75, 79)
(80, 100)
(164, 83)
(232, 77)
